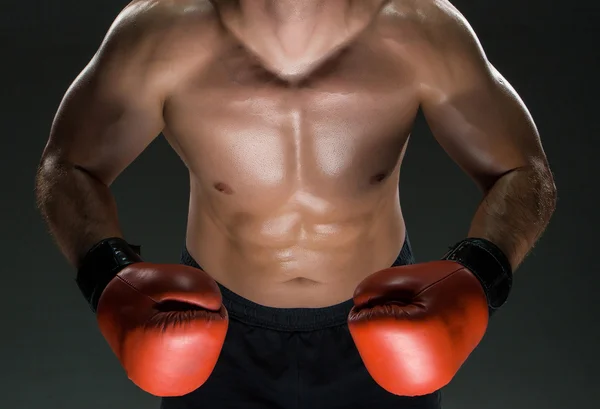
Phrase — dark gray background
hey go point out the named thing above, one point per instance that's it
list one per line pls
(540, 352)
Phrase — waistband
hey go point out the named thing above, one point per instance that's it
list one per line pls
(290, 319)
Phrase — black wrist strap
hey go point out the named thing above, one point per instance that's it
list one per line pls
(101, 264)
(489, 264)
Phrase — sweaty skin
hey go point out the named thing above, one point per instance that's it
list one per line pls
(293, 119)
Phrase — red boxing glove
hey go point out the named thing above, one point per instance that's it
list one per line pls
(414, 326)
(165, 322)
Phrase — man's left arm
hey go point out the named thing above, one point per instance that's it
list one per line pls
(481, 122)
(414, 326)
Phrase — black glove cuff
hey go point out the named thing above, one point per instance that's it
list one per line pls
(489, 264)
(101, 264)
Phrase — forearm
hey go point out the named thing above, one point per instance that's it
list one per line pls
(516, 210)
(80, 210)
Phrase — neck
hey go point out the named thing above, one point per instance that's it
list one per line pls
(292, 37)
(293, 10)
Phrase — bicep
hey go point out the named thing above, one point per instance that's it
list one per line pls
(477, 116)
(108, 116)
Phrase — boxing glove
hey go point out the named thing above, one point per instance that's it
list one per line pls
(165, 322)
(414, 326)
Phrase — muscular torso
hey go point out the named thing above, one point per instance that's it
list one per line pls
(293, 130)
(294, 184)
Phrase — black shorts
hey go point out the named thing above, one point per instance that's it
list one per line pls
(292, 358)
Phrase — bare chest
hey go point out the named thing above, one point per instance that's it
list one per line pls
(348, 119)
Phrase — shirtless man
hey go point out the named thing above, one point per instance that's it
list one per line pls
(293, 117)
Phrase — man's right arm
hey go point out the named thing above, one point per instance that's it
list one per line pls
(109, 115)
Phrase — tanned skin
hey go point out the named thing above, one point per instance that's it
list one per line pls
(293, 118)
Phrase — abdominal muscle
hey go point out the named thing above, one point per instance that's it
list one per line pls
(290, 257)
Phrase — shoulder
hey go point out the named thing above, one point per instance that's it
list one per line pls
(151, 13)
(149, 25)
(152, 44)
(435, 39)
(433, 25)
